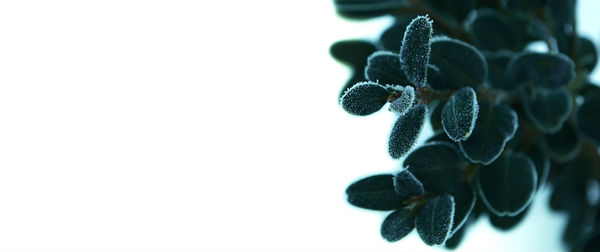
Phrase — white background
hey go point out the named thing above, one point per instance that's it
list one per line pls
(196, 126)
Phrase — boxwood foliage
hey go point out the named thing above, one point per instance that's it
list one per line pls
(507, 122)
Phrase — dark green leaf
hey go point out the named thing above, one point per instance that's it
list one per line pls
(507, 185)
(352, 52)
(563, 145)
(587, 55)
(495, 125)
(407, 185)
(492, 31)
(541, 70)
(375, 192)
(547, 109)
(361, 9)
(364, 98)
(588, 120)
(397, 225)
(406, 100)
(440, 137)
(406, 131)
(507, 222)
(434, 221)
(542, 163)
(414, 53)
(437, 165)
(459, 114)
(384, 67)
(497, 64)
(458, 63)
(464, 199)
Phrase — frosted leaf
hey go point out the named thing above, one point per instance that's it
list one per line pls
(384, 67)
(397, 225)
(406, 100)
(435, 220)
(407, 185)
(406, 131)
(415, 50)
(460, 113)
(364, 98)
(507, 186)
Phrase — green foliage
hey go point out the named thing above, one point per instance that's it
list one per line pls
(434, 221)
(406, 131)
(506, 122)
(459, 114)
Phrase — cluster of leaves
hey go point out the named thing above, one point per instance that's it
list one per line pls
(506, 119)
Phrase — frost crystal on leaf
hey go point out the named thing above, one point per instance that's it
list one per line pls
(414, 53)
(406, 100)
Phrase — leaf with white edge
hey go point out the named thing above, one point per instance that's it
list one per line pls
(434, 220)
(414, 53)
(375, 192)
(437, 165)
(541, 69)
(588, 120)
(460, 113)
(404, 102)
(563, 145)
(407, 185)
(384, 67)
(465, 197)
(397, 225)
(508, 185)
(364, 98)
(406, 131)
(458, 63)
(506, 223)
(547, 109)
(495, 125)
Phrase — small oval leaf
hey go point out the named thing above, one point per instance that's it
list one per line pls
(434, 220)
(397, 225)
(414, 53)
(541, 69)
(459, 114)
(384, 67)
(547, 109)
(437, 165)
(495, 125)
(375, 192)
(364, 98)
(508, 184)
(407, 185)
(406, 100)
(459, 64)
(406, 131)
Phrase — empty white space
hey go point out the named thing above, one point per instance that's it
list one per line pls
(196, 126)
